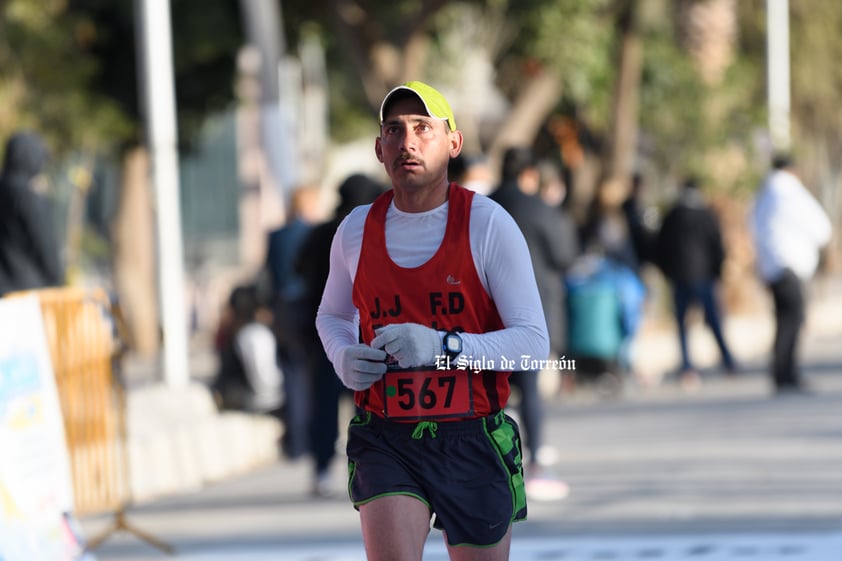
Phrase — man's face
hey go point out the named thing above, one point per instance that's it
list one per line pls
(414, 147)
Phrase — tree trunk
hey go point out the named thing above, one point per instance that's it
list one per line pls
(619, 155)
(529, 112)
(135, 256)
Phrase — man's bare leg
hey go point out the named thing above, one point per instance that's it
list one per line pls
(499, 552)
(395, 528)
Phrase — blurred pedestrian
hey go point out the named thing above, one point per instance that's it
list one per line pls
(690, 253)
(642, 235)
(248, 377)
(293, 316)
(552, 249)
(553, 191)
(551, 186)
(605, 227)
(313, 266)
(605, 299)
(30, 257)
(471, 172)
(790, 227)
(429, 275)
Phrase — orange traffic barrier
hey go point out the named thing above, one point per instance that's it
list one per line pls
(82, 332)
(77, 324)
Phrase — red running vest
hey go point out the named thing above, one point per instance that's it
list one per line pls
(444, 293)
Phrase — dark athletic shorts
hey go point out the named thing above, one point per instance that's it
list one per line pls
(469, 473)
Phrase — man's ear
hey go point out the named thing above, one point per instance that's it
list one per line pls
(456, 140)
(378, 150)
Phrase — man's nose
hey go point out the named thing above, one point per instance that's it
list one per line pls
(408, 138)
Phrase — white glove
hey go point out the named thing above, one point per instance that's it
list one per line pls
(360, 366)
(411, 344)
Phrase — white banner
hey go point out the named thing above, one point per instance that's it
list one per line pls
(36, 500)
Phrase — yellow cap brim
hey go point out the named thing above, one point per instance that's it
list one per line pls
(434, 102)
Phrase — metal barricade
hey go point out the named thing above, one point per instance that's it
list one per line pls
(82, 331)
(78, 325)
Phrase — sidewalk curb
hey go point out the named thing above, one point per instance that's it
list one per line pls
(178, 441)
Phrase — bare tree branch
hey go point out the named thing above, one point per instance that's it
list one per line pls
(536, 100)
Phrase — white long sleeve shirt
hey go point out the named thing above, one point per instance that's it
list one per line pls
(789, 227)
(501, 258)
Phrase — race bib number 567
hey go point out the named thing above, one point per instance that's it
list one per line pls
(428, 395)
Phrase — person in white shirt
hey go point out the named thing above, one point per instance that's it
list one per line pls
(789, 227)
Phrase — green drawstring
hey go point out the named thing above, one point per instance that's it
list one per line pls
(431, 426)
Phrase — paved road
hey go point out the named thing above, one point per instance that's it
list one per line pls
(724, 474)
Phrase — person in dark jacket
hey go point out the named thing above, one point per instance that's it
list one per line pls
(313, 267)
(553, 244)
(690, 253)
(293, 316)
(642, 237)
(29, 250)
(553, 247)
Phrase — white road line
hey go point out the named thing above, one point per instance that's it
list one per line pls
(717, 547)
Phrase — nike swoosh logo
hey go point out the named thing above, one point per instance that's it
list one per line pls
(492, 526)
(452, 280)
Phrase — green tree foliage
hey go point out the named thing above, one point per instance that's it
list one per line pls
(574, 38)
(373, 44)
(686, 120)
(206, 35)
(692, 123)
(816, 46)
(68, 68)
(816, 72)
(370, 45)
(46, 77)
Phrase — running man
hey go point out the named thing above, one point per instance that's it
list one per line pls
(428, 276)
